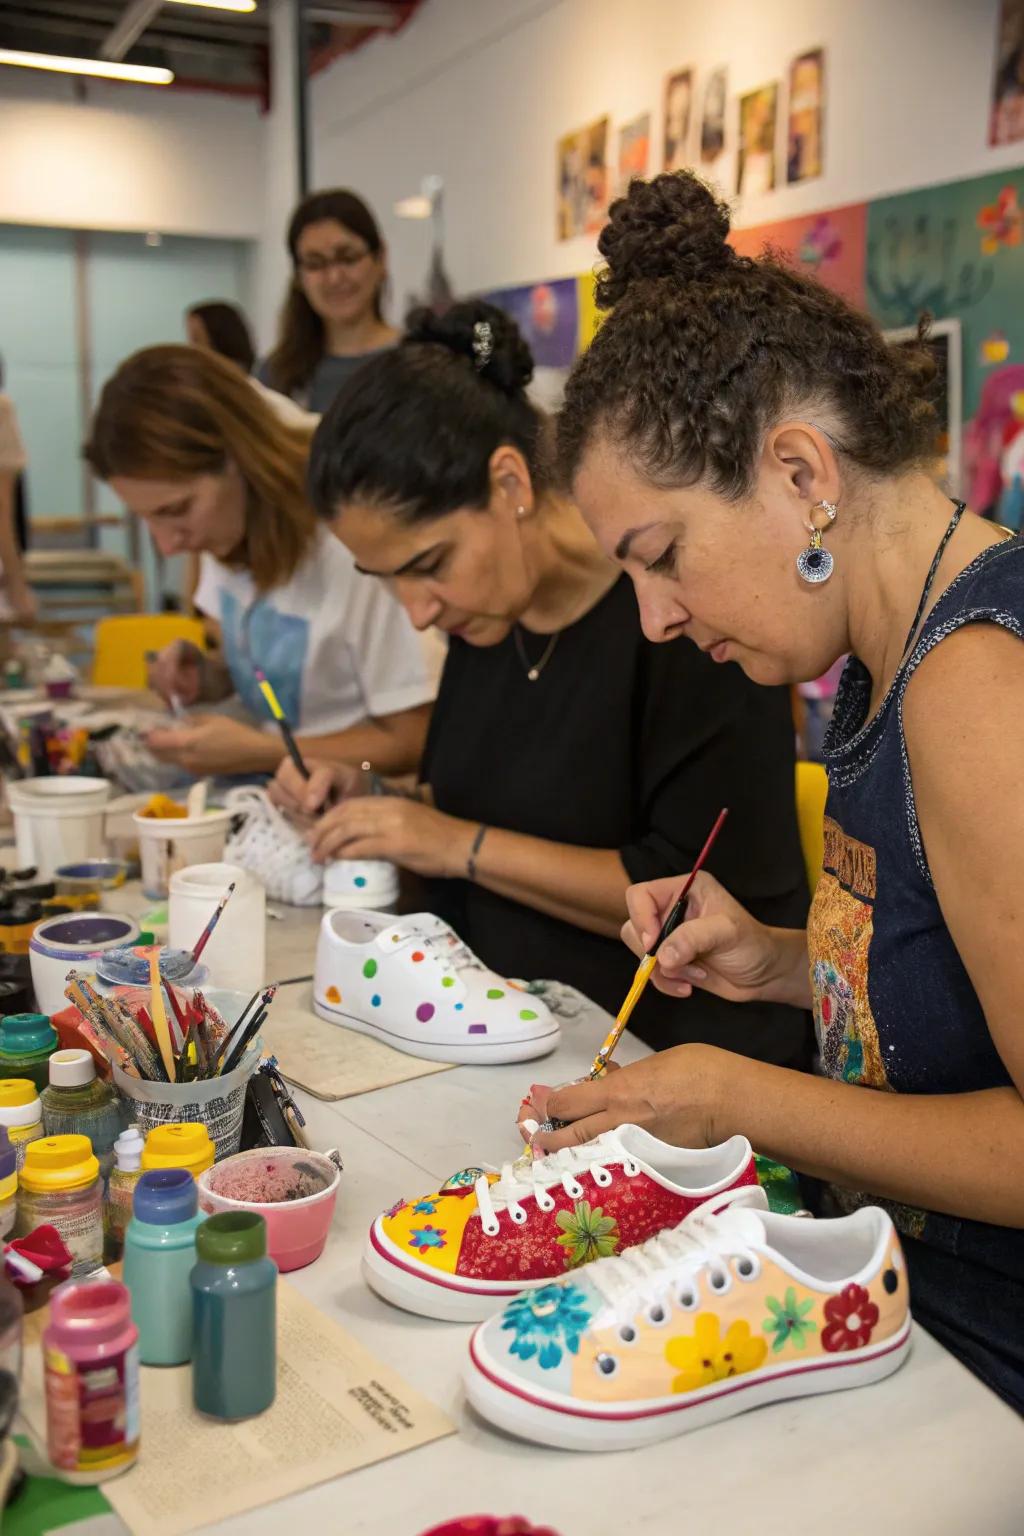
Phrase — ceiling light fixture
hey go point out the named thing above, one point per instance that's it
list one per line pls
(217, 5)
(140, 74)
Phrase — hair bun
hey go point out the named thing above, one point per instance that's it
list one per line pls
(671, 228)
(481, 332)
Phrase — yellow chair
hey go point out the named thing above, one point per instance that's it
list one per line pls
(811, 790)
(119, 657)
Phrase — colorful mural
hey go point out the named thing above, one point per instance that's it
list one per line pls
(829, 246)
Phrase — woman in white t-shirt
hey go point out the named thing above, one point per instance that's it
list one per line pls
(188, 444)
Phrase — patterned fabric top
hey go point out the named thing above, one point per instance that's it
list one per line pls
(894, 1007)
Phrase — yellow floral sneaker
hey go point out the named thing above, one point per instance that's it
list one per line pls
(724, 1312)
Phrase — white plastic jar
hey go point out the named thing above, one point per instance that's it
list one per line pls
(236, 951)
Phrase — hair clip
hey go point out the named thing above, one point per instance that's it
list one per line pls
(483, 344)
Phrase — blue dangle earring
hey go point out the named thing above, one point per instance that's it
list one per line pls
(814, 563)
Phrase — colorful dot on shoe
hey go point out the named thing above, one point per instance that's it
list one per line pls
(527, 1013)
(459, 1007)
(333, 995)
(495, 992)
(375, 1000)
(359, 880)
(447, 981)
(370, 969)
(477, 1029)
(425, 1012)
(417, 955)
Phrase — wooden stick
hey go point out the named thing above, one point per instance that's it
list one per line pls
(163, 1033)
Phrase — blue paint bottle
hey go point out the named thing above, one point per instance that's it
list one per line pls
(159, 1256)
(234, 1311)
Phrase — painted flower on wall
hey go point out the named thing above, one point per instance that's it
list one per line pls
(586, 1234)
(820, 243)
(705, 1356)
(547, 1322)
(1001, 223)
(789, 1321)
(849, 1319)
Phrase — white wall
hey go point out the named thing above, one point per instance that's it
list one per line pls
(129, 158)
(480, 90)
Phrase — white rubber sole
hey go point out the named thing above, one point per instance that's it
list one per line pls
(455, 1053)
(395, 1280)
(531, 1414)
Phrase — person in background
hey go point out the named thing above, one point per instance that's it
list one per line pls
(333, 319)
(566, 755)
(186, 442)
(222, 328)
(760, 462)
(17, 600)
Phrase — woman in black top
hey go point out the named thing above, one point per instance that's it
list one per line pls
(567, 756)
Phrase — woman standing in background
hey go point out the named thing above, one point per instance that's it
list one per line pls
(222, 328)
(332, 319)
(17, 600)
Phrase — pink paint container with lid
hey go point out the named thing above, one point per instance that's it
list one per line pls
(91, 1363)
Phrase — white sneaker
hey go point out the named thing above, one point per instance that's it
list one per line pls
(411, 982)
(270, 847)
(730, 1310)
(273, 849)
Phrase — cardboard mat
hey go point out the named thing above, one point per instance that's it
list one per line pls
(337, 1408)
(331, 1062)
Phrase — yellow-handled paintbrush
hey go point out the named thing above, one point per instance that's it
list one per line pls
(160, 1025)
(650, 960)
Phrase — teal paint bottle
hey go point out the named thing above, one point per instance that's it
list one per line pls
(234, 1313)
(159, 1256)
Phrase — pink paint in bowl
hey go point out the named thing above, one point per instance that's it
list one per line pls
(292, 1189)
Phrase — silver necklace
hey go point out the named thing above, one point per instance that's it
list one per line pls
(535, 668)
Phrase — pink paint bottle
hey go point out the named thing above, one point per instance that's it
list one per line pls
(91, 1360)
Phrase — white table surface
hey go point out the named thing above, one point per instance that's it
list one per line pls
(929, 1450)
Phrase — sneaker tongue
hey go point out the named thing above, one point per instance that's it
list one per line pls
(744, 1222)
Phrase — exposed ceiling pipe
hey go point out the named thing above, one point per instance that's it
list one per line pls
(134, 20)
(351, 15)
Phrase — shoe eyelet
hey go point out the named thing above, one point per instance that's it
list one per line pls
(547, 1205)
(748, 1268)
(491, 1229)
(627, 1333)
(657, 1315)
(630, 1169)
(688, 1299)
(606, 1365)
(518, 1215)
(720, 1281)
(574, 1190)
(602, 1178)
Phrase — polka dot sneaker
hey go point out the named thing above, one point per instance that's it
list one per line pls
(411, 982)
(730, 1310)
(462, 1253)
(354, 884)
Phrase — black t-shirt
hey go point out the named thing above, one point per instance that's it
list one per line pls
(627, 745)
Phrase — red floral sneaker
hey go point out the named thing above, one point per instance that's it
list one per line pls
(734, 1308)
(484, 1237)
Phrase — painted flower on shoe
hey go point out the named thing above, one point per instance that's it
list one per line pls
(424, 1207)
(427, 1237)
(789, 1321)
(546, 1322)
(704, 1356)
(587, 1234)
(394, 1210)
(465, 1178)
(849, 1319)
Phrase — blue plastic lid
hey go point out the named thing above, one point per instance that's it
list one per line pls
(165, 1196)
(8, 1155)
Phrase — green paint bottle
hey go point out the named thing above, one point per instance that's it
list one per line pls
(234, 1317)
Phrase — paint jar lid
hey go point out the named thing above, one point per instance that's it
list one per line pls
(19, 1101)
(24, 1034)
(233, 1237)
(93, 1311)
(59, 1162)
(179, 1145)
(165, 1196)
(8, 1164)
(128, 1149)
(71, 1069)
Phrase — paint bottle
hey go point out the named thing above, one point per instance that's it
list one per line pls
(159, 1256)
(8, 1184)
(125, 1174)
(234, 1310)
(181, 1144)
(60, 1185)
(91, 1363)
(21, 1112)
(27, 1041)
(76, 1103)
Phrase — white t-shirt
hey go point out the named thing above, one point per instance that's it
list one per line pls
(335, 646)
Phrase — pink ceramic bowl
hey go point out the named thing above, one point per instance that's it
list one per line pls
(292, 1189)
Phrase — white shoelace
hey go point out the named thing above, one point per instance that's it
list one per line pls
(443, 945)
(673, 1260)
(269, 845)
(526, 1179)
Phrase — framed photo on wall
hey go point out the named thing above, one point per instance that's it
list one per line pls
(678, 110)
(945, 342)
